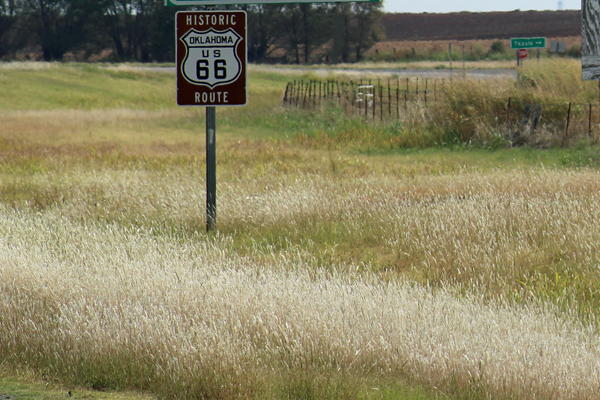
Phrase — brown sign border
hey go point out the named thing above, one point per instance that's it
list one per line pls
(231, 94)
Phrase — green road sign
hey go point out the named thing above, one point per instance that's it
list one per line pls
(217, 2)
(528, 43)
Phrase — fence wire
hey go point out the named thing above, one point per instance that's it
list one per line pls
(398, 98)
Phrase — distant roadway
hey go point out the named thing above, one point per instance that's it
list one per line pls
(482, 73)
(447, 73)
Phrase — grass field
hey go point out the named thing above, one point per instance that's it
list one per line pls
(341, 267)
(474, 50)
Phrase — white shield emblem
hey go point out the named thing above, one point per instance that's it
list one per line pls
(211, 58)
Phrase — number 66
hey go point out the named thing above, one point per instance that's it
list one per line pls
(203, 69)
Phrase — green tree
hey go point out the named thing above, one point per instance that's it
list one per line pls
(140, 29)
(162, 23)
(144, 11)
(264, 29)
(117, 22)
(8, 19)
(60, 25)
(306, 26)
(497, 47)
(293, 29)
(366, 30)
(126, 23)
(345, 17)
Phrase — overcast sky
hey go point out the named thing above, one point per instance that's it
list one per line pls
(445, 6)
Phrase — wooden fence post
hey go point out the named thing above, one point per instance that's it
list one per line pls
(417, 90)
(398, 97)
(298, 91)
(374, 99)
(380, 100)
(508, 123)
(406, 96)
(567, 128)
(320, 92)
(304, 95)
(590, 122)
(285, 95)
(389, 100)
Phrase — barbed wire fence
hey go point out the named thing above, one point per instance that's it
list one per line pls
(377, 99)
(398, 99)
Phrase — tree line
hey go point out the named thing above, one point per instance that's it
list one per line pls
(144, 30)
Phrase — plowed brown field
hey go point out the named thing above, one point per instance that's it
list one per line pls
(431, 33)
(478, 26)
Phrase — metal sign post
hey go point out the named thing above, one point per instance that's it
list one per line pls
(211, 168)
(211, 71)
(521, 55)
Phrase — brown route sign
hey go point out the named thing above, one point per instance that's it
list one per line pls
(211, 58)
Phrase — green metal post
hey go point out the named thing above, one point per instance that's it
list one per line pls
(211, 168)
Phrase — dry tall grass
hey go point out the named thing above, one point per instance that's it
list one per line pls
(330, 273)
(110, 307)
(98, 303)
